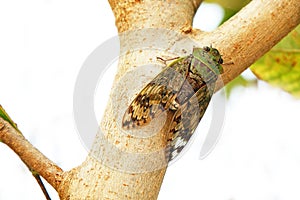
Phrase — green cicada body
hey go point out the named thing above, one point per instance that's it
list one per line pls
(173, 91)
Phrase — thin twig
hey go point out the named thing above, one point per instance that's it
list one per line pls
(31, 156)
(42, 186)
(4, 115)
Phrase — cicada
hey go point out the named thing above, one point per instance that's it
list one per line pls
(172, 91)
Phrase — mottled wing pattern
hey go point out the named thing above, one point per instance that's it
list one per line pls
(202, 79)
(184, 88)
(186, 120)
(157, 96)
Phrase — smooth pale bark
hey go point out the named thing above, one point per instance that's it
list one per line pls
(241, 40)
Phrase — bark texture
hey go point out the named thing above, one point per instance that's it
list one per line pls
(241, 40)
(30, 155)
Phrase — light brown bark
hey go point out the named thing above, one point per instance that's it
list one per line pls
(31, 156)
(241, 40)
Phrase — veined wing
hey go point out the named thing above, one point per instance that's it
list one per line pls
(157, 96)
(187, 118)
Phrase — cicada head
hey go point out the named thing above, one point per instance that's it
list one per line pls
(211, 57)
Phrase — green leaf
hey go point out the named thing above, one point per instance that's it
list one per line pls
(281, 65)
(228, 13)
(230, 7)
(238, 82)
(6, 117)
(234, 5)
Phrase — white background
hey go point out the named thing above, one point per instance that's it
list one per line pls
(42, 47)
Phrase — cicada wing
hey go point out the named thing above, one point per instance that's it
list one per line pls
(145, 106)
(186, 120)
(156, 97)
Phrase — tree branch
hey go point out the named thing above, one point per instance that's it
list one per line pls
(241, 40)
(251, 33)
(139, 14)
(33, 158)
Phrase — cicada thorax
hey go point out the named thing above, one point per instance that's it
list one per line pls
(183, 90)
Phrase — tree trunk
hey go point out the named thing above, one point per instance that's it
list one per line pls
(150, 29)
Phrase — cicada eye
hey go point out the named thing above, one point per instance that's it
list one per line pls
(220, 61)
(206, 48)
